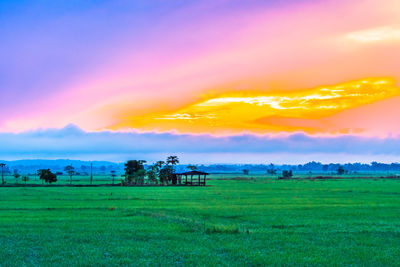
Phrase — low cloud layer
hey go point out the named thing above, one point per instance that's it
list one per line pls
(71, 142)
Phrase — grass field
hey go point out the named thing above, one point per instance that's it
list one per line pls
(107, 179)
(230, 223)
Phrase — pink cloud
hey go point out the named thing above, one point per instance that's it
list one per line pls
(271, 49)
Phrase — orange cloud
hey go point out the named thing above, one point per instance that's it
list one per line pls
(268, 112)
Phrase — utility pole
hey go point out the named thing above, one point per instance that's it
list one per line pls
(91, 172)
(2, 172)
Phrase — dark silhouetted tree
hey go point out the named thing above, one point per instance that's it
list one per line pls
(71, 172)
(47, 176)
(134, 171)
(173, 160)
(154, 171)
(166, 174)
(340, 170)
(151, 175)
(287, 174)
(271, 169)
(2, 165)
(245, 171)
(16, 175)
(159, 164)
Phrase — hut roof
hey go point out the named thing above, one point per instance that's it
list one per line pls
(193, 173)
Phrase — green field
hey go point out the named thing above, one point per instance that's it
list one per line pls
(107, 179)
(230, 223)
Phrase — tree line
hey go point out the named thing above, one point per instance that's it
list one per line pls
(135, 173)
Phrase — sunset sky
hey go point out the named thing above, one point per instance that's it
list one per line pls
(258, 81)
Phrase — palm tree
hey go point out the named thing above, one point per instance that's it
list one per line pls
(2, 172)
(172, 160)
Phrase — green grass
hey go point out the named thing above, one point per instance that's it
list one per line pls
(231, 223)
(107, 179)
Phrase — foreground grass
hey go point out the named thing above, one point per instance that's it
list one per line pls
(235, 223)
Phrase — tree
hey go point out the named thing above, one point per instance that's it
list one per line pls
(192, 167)
(172, 160)
(325, 167)
(245, 171)
(166, 174)
(271, 169)
(154, 171)
(151, 175)
(47, 176)
(25, 179)
(287, 174)
(71, 172)
(340, 170)
(159, 164)
(91, 172)
(113, 175)
(134, 171)
(2, 165)
(16, 175)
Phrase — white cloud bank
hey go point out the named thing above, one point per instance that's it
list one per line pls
(73, 143)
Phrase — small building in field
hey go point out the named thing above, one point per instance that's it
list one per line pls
(191, 178)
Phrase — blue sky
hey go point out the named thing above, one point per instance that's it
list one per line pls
(234, 81)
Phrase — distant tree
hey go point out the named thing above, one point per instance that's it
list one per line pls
(245, 171)
(134, 171)
(271, 169)
(113, 175)
(340, 170)
(192, 167)
(325, 167)
(25, 179)
(287, 174)
(47, 176)
(2, 165)
(71, 172)
(16, 175)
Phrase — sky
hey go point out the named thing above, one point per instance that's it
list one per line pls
(213, 81)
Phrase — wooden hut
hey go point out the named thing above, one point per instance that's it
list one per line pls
(192, 178)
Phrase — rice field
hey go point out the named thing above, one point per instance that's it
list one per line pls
(232, 222)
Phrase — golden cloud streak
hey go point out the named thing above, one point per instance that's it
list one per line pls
(264, 112)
